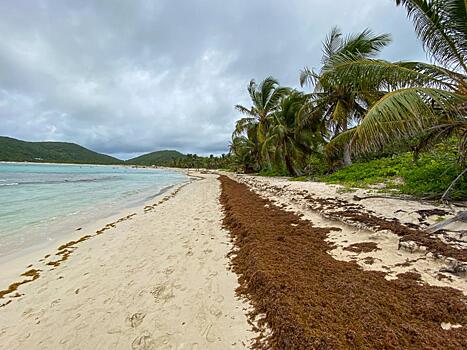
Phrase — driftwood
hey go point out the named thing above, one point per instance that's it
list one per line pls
(445, 195)
(462, 216)
(357, 198)
(428, 199)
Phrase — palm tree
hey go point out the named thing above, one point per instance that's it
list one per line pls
(265, 98)
(339, 102)
(423, 100)
(288, 138)
(244, 154)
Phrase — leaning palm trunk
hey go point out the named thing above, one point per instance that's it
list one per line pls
(446, 195)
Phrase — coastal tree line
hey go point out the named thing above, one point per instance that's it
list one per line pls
(357, 106)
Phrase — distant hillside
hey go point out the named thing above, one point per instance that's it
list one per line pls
(156, 158)
(54, 152)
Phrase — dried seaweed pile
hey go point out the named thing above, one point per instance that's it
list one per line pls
(308, 300)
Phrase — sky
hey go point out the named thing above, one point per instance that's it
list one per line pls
(136, 76)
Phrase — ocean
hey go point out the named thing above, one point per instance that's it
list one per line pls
(41, 202)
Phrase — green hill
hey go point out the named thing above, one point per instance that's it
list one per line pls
(156, 158)
(54, 152)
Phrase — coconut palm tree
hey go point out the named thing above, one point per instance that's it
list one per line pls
(288, 139)
(423, 100)
(340, 103)
(244, 150)
(265, 98)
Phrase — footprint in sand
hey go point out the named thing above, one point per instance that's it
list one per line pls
(215, 311)
(208, 333)
(219, 298)
(162, 292)
(170, 270)
(66, 339)
(23, 337)
(81, 326)
(163, 341)
(135, 320)
(55, 302)
(73, 317)
(144, 342)
(27, 311)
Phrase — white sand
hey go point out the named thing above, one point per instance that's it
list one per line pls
(389, 258)
(157, 281)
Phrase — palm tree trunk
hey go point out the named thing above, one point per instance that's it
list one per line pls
(268, 161)
(347, 157)
(289, 166)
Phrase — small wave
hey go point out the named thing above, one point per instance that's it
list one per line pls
(65, 181)
(10, 184)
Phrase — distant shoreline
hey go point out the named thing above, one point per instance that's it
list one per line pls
(64, 225)
(105, 165)
(58, 163)
(133, 166)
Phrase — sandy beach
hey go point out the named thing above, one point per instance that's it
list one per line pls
(234, 262)
(155, 280)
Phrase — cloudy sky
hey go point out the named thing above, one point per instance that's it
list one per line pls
(128, 77)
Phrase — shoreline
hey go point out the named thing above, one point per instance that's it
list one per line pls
(54, 228)
(12, 265)
(156, 279)
(233, 262)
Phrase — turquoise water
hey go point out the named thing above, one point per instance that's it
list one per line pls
(37, 201)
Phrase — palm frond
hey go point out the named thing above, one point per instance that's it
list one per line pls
(242, 125)
(407, 112)
(246, 111)
(308, 77)
(441, 25)
(357, 46)
(364, 44)
(368, 75)
(331, 44)
(336, 145)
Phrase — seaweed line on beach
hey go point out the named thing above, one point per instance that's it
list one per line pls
(303, 298)
(149, 208)
(357, 215)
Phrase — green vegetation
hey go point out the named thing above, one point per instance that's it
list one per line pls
(14, 150)
(364, 108)
(156, 158)
(430, 176)
(176, 159)
(52, 152)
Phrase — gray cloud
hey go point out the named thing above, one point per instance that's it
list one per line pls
(127, 77)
